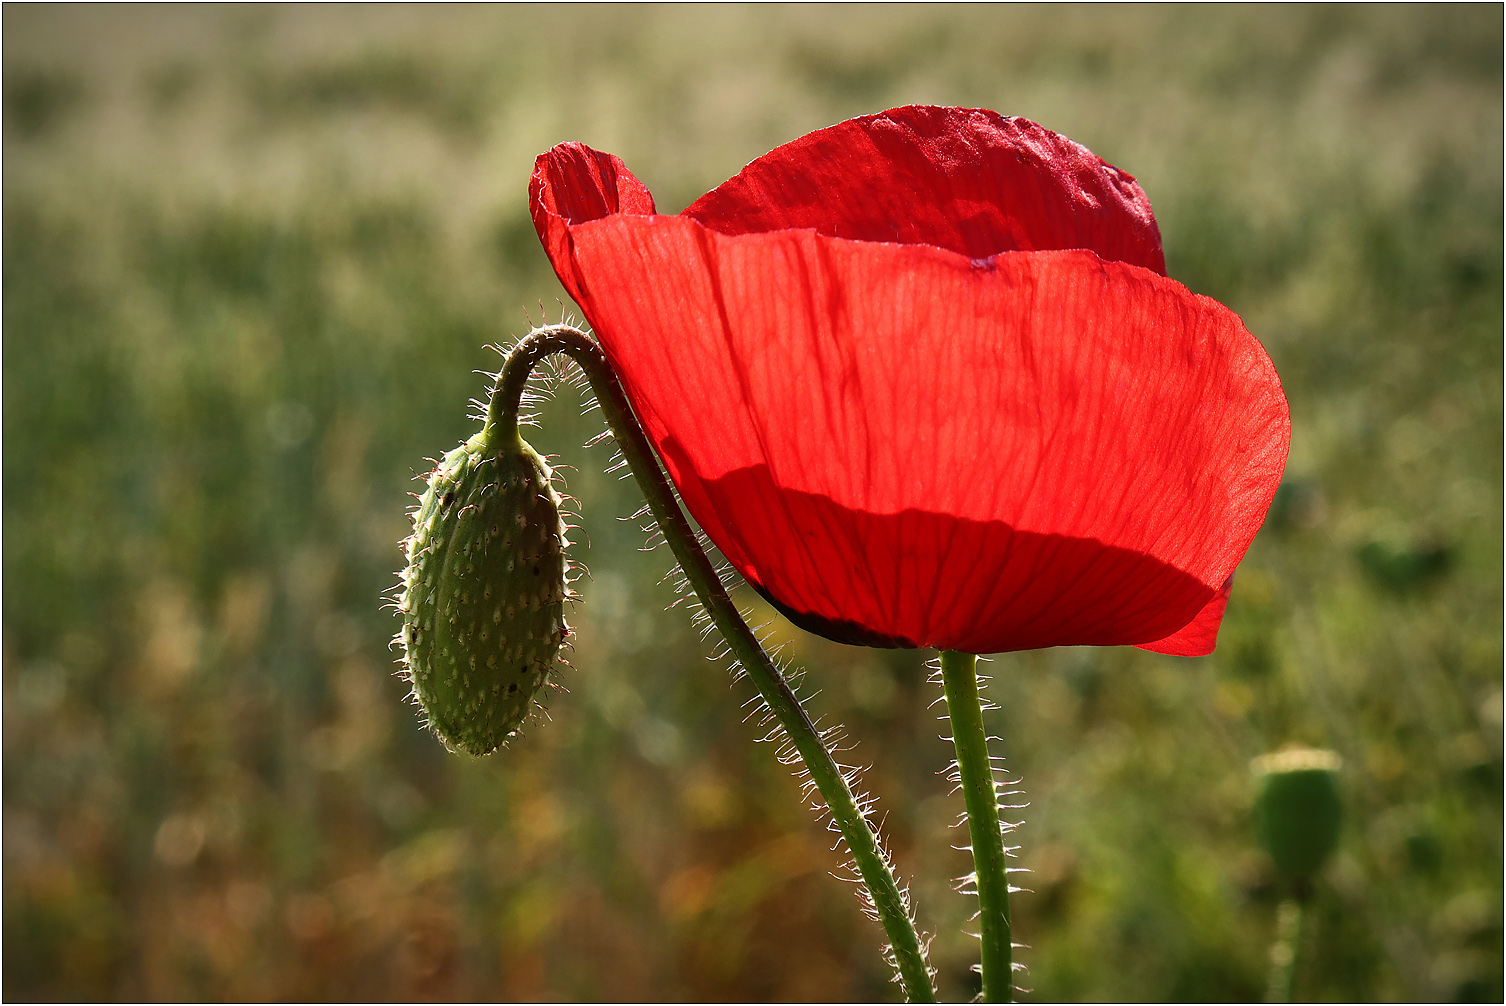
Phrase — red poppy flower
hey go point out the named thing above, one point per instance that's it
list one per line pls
(922, 379)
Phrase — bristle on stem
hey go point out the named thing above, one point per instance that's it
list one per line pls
(887, 899)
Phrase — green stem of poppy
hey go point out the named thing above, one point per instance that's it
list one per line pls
(1281, 986)
(872, 863)
(959, 676)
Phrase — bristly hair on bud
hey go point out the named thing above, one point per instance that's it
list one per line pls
(482, 597)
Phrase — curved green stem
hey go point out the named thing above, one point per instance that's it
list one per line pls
(959, 675)
(873, 866)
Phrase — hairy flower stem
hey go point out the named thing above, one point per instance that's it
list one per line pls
(959, 676)
(872, 864)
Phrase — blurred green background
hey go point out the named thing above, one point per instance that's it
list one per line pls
(251, 258)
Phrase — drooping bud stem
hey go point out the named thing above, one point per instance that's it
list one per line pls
(891, 904)
(980, 795)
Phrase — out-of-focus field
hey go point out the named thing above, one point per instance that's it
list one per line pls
(251, 259)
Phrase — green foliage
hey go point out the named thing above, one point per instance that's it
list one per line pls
(252, 258)
(36, 102)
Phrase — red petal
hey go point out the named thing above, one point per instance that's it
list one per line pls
(969, 180)
(572, 184)
(1198, 637)
(898, 443)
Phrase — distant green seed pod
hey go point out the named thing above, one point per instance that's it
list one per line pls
(1297, 809)
(483, 596)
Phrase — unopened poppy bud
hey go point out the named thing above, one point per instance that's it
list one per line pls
(483, 596)
(1297, 808)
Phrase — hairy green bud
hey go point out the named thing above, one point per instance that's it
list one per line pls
(483, 596)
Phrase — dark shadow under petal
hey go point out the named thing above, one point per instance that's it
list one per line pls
(1005, 589)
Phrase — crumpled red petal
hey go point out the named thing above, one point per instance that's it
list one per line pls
(966, 179)
(1030, 450)
(1198, 637)
(572, 184)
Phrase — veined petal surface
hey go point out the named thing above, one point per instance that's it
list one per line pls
(966, 179)
(1198, 637)
(572, 184)
(903, 443)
